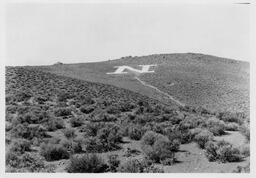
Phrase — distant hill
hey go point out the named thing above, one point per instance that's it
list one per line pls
(193, 79)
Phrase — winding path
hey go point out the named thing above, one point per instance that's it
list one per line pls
(155, 88)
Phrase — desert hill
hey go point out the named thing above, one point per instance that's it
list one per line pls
(192, 79)
(56, 123)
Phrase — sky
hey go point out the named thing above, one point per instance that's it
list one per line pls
(42, 34)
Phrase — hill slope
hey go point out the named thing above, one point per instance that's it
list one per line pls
(192, 79)
(56, 123)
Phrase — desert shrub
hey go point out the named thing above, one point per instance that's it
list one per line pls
(52, 152)
(142, 103)
(104, 117)
(8, 126)
(23, 109)
(231, 117)
(131, 166)
(62, 97)
(144, 119)
(165, 117)
(139, 110)
(91, 128)
(222, 151)
(163, 149)
(9, 99)
(40, 99)
(149, 138)
(28, 162)
(72, 146)
(156, 127)
(12, 159)
(245, 150)
(54, 123)
(28, 131)
(113, 110)
(62, 112)
(131, 152)
(11, 109)
(126, 107)
(76, 121)
(194, 132)
(26, 118)
(23, 96)
(113, 163)
(62, 104)
(232, 126)
(92, 145)
(158, 147)
(157, 109)
(176, 119)
(191, 122)
(33, 116)
(228, 153)
(216, 126)
(245, 130)
(53, 140)
(201, 110)
(20, 146)
(188, 108)
(136, 166)
(130, 117)
(87, 100)
(89, 163)
(69, 133)
(87, 109)
(103, 103)
(33, 162)
(135, 132)
(242, 169)
(163, 125)
(110, 136)
(184, 136)
(168, 161)
(203, 137)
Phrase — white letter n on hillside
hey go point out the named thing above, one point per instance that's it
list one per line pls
(123, 69)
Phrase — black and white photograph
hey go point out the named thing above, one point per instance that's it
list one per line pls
(127, 87)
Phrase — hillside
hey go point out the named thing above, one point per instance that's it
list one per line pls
(192, 79)
(61, 124)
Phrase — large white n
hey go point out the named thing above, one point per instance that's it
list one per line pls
(121, 69)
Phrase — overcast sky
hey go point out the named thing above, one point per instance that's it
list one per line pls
(42, 34)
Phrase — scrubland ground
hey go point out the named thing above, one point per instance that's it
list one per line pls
(61, 124)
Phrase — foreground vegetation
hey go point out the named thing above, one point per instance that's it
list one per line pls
(51, 118)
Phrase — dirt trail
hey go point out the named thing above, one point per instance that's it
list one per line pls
(155, 88)
(192, 159)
